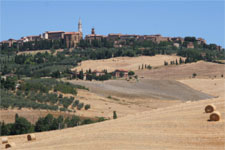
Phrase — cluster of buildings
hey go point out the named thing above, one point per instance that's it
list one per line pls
(119, 39)
(118, 73)
(72, 39)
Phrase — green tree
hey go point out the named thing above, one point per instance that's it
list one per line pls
(87, 106)
(165, 63)
(21, 126)
(176, 62)
(114, 115)
(131, 73)
(81, 75)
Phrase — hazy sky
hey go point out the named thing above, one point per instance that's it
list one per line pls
(168, 18)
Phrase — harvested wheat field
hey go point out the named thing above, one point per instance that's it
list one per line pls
(127, 63)
(179, 127)
(144, 88)
(183, 126)
(185, 71)
(103, 106)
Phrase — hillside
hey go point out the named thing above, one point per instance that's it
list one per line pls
(145, 89)
(182, 126)
(184, 71)
(127, 63)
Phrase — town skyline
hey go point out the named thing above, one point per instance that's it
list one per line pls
(212, 31)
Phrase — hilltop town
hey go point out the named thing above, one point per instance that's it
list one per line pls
(130, 92)
(75, 39)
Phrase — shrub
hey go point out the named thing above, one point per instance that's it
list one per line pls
(165, 63)
(62, 109)
(65, 88)
(149, 67)
(87, 121)
(87, 106)
(194, 75)
(60, 96)
(80, 106)
(76, 102)
(100, 119)
(131, 73)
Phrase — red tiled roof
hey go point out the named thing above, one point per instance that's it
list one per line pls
(5, 41)
(115, 34)
(94, 35)
(71, 33)
(55, 32)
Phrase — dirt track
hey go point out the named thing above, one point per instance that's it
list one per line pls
(145, 88)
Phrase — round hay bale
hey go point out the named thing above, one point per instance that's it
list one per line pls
(215, 116)
(4, 140)
(210, 108)
(10, 145)
(31, 137)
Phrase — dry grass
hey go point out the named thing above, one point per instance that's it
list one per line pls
(183, 126)
(4, 140)
(203, 69)
(214, 87)
(128, 63)
(171, 124)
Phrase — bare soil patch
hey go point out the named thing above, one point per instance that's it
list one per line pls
(144, 88)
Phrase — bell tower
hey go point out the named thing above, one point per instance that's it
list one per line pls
(79, 26)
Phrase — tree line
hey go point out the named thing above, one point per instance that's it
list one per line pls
(47, 123)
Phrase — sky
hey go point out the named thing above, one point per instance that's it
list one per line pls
(169, 18)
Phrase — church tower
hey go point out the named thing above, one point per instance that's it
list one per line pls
(79, 26)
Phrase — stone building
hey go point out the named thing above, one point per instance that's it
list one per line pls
(201, 41)
(72, 38)
(113, 36)
(120, 72)
(98, 73)
(154, 38)
(9, 42)
(54, 35)
(177, 40)
(177, 45)
(190, 45)
(32, 38)
(94, 36)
